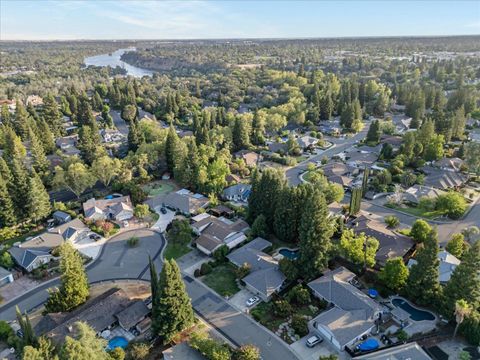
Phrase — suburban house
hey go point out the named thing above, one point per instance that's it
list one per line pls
(411, 351)
(442, 179)
(307, 142)
(118, 209)
(265, 277)
(61, 217)
(185, 201)
(214, 232)
(111, 135)
(238, 192)
(414, 193)
(360, 158)
(448, 264)
(339, 173)
(33, 253)
(391, 244)
(449, 164)
(251, 158)
(277, 147)
(34, 100)
(182, 351)
(6, 277)
(11, 104)
(68, 145)
(233, 179)
(104, 312)
(352, 313)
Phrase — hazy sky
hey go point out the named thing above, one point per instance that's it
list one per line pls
(105, 19)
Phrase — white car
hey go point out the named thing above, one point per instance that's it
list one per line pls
(125, 223)
(252, 301)
(313, 340)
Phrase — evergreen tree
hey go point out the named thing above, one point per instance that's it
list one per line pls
(39, 160)
(45, 350)
(52, 115)
(315, 232)
(374, 132)
(21, 120)
(171, 146)
(73, 289)
(88, 143)
(266, 188)
(85, 346)
(7, 210)
(240, 134)
(355, 200)
(458, 123)
(259, 227)
(174, 312)
(38, 200)
(19, 188)
(29, 337)
(465, 282)
(423, 282)
(394, 274)
(84, 114)
(46, 137)
(285, 224)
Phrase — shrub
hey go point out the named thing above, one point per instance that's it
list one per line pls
(6, 260)
(197, 273)
(220, 255)
(402, 335)
(392, 221)
(246, 352)
(138, 351)
(133, 241)
(288, 268)
(243, 271)
(5, 330)
(205, 269)
(420, 230)
(299, 294)
(452, 203)
(117, 354)
(282, 308)
(300, 325)
(210, 348)
(141, 210)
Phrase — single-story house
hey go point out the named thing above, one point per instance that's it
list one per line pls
(278, 147)
(414, 193)
(238, 192)
(448, 264)
(360, 158)
(408, 351)
(118, 209)
(112, 135)
(339, 173)
(265, 277)
(307, 141)
(61, 217)
(391, 244)
(34, 100)
(222, 210)
(6, 277)
(251, 158)
(100, 313)
(449, 164)
(442, 179)
(185, 201)
(214, 232)
(33, 253)
(352, 313)
(68, 145)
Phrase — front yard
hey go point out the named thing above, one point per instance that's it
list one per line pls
(417, 211)
(179, 238)
(222, 279)
(176, 250)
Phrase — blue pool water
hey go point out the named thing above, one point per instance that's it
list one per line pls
(289, 254)
(117, 341)
(415, 314)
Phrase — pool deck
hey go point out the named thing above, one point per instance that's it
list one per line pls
(414, 327)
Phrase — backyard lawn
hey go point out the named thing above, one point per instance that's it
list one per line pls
(176, 250)
(222, 279)
(158, 187)
(417, 211)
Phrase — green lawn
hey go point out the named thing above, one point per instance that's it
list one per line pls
(157, 188)
(223, 280)
(175, 250)
(416, 211)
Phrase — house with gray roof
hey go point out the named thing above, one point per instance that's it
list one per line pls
(35, 252)
(214, 232)
(307, 141)
(6, 277)
(265, 277)
(61, 217)
(182, 351)
(119, 209)
(185, 201)
(448, 264)
(414, 193)
(352, 313)
(409, 351)
(442, 179)
(237, 193)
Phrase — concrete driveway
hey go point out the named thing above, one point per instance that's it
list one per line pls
(306, 353)
(239, 300)
(164, 219)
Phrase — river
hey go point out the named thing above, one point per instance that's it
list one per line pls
(113, 60)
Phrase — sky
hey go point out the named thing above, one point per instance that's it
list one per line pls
(184, 19)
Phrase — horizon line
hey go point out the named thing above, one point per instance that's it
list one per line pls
(245, 38)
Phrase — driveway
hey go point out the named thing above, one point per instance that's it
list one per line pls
(120, 124)
(239, 300)
(163, 219)
(322, 349)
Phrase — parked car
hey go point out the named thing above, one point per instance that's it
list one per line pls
(163, 210)
(252, 301)
(95, 237)
(313, 340)
(125, 223)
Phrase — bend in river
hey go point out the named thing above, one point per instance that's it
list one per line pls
(113, 60)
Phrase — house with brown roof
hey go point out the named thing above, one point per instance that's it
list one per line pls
(391, 243)
(251, 158)
(118, 209)
(214, 232)
(185, 201)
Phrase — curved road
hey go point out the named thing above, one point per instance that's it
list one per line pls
(116, 261)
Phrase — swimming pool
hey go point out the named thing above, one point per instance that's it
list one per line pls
(289, 254)
(117, 341)
(415, 314)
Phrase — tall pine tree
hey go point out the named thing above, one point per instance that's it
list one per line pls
(7, 210)
(38, 200)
